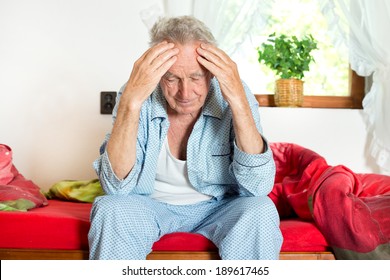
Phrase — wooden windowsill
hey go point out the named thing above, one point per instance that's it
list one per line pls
(314, 102)
(353, 101)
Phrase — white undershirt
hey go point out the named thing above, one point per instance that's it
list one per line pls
(172, 184)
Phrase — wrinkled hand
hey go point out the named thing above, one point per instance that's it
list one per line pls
(148, 70)
(224, 69)
(247, 136)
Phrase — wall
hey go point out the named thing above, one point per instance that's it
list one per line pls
(55, 58)
(337, 134)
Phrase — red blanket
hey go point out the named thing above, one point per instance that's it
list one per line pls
(360, 229)
(351, 210)
(16, 192)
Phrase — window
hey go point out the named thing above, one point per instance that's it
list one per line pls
(329, 83)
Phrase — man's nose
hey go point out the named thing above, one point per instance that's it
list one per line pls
(184, 88)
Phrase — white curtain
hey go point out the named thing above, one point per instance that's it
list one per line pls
(231, 21)
(363, 25)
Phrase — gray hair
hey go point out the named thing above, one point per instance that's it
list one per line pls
(182, 30)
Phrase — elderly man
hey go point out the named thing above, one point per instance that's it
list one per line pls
(186, 153)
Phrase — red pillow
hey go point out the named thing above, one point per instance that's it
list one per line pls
(16, 193)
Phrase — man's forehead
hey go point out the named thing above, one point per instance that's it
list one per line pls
(196, 73)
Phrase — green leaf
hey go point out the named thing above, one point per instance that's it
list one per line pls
(288, 56)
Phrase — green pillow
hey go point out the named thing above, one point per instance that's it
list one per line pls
(78, 191)
(17, 205)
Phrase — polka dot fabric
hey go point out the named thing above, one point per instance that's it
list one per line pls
(216, 167)
(125, 227)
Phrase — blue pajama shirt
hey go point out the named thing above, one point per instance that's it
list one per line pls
(240, 218)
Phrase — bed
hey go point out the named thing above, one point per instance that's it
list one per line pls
(59, 231)
(327, 212)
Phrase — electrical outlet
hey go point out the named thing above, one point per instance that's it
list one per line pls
(107, 102)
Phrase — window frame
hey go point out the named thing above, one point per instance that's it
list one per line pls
(353, 101)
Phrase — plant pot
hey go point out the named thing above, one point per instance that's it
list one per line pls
(289, 93)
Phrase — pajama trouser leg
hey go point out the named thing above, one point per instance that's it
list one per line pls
(245, 228)
(124, 227)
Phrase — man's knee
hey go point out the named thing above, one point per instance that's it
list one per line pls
(258, 208)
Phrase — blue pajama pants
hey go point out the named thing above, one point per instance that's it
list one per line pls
(125, 227)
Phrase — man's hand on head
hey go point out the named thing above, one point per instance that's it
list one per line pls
(224, 69)
(148, 70)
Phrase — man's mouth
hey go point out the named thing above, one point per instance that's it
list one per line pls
(184, 102)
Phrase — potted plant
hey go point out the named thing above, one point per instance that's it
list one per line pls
(289, 57)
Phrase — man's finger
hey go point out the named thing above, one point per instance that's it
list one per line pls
(150, 55)
(164, 67)
(208, 65)
(164, 57)
(213, 53)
